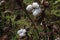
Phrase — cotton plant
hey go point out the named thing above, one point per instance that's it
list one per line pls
(22, 32)
(34, 8)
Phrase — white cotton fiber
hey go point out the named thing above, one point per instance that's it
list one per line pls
(36, 11)
(35, 5)
(29, 8)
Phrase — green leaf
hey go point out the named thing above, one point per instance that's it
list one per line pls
(58, 0)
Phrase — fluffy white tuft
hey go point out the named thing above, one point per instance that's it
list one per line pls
(36, 11)
(22, 35)
(21, 32)
(29, 8)
(35, 5)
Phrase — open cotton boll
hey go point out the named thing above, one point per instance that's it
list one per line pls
(29, 8)
(36, 11)
(21, 31)
(24, 31)
(22, 34)
(35, 5)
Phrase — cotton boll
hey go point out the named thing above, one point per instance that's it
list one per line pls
(29, 8)
(18, 32)
(36, 11)
(22, 35)
(35, 5)
(24, 31)
(21, 32)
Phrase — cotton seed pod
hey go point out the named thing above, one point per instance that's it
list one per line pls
(19, 31)
(22, 32)
(35, 5)
(36, 11)
(29, 8)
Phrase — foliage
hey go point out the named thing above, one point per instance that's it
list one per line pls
(9, 25)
